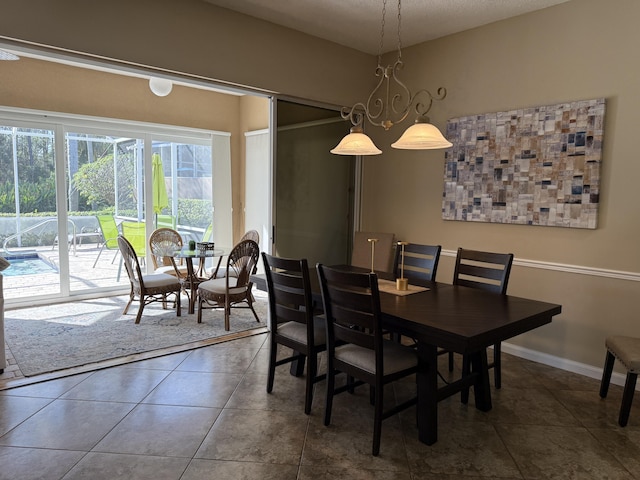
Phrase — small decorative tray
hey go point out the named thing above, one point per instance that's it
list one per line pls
(205, 246)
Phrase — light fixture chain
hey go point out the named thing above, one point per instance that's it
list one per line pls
(399, 37)
(384, 12)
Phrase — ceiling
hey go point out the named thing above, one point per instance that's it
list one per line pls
(357, 23)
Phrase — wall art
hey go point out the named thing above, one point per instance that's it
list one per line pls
(531, 166)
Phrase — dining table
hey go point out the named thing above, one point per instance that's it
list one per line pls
(459, 319)
(195, 276)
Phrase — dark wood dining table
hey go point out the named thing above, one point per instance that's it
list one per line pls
(459, 319)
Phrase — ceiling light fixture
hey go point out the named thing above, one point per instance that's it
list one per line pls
(160, 86)
(390, 103)
(4, 55)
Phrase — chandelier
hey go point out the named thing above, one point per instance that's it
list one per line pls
(390, 103)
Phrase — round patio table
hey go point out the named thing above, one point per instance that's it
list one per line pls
(194, 277)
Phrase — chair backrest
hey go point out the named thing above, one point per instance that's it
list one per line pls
(135, 233)
(289, 288)
(251, 235)
(420, 262)
(163, 242)
(130, 260)
(109, 230)
(242, 263)
(352, 308)
(485, 270)
(383, 254)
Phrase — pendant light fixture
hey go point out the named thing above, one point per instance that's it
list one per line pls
(390, 103)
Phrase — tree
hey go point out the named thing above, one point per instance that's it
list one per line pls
(95, 181)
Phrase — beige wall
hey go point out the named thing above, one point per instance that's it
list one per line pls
(578, 50)
(582, 49)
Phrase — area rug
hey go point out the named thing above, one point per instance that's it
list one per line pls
(56, 337)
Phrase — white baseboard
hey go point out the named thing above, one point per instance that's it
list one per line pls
(563, 364)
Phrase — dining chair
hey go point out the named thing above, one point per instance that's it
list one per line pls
(110, 232)
(163, 242)
(486, 271)
(355, 343)
(148, 288)
(420, 262)
(383, 251)
(234, 289)
(222, 272)
(627, 351)
(293, 320)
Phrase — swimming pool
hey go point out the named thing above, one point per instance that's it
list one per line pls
(28, 265)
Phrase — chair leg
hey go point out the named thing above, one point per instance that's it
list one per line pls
(451, 361)
(178, 306)
(377, 421)
(227, 313)
(126, 308)
(497, 365)
(200, 302)
(331, 380)
(273, 353)
(311, 375)
(98, 257)
(606, 374)
(627, 398)
(139, 315)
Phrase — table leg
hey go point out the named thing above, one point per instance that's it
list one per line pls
(427, 380)
(191, 276)
(297, 366)
(481, 388)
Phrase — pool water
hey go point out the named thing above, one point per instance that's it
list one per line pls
(27, 266)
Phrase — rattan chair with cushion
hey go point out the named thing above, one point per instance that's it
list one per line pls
(219, 272)
(150, 288)
(292, 320)
(486, 271)
(232, 290)
(355, 343)
(163, 243)
(627, 351)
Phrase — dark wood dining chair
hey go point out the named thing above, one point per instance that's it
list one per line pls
(148, 288)
(627, 351)
(486, 271)
(293, 320)
(420, 262)
(355, 342)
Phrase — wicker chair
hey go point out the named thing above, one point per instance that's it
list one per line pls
(162, 243)
(235, 288)
(222, 272)
(149, 288)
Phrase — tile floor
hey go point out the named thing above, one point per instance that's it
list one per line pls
(204, 414)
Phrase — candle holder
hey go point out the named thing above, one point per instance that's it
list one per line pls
(402, 283)
(372, 241)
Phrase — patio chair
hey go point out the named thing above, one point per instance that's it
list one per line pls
(222, 272)
(163, 243)
(148, 288)
(110, 234)
(232, 290)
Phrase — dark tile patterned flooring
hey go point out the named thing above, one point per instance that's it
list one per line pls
(205, 414)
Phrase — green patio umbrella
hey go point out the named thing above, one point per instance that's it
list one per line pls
(160, 198)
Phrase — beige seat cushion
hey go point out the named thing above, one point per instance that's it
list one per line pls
(168, 269)
(219, 286)
(298, 331)
(626, 350)
(396, 357)
(156, 280)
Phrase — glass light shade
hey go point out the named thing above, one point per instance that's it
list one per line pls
(356, 143)
(160, 86)
(422, 136)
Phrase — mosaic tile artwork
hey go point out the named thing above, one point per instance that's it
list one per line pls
(532, 166)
